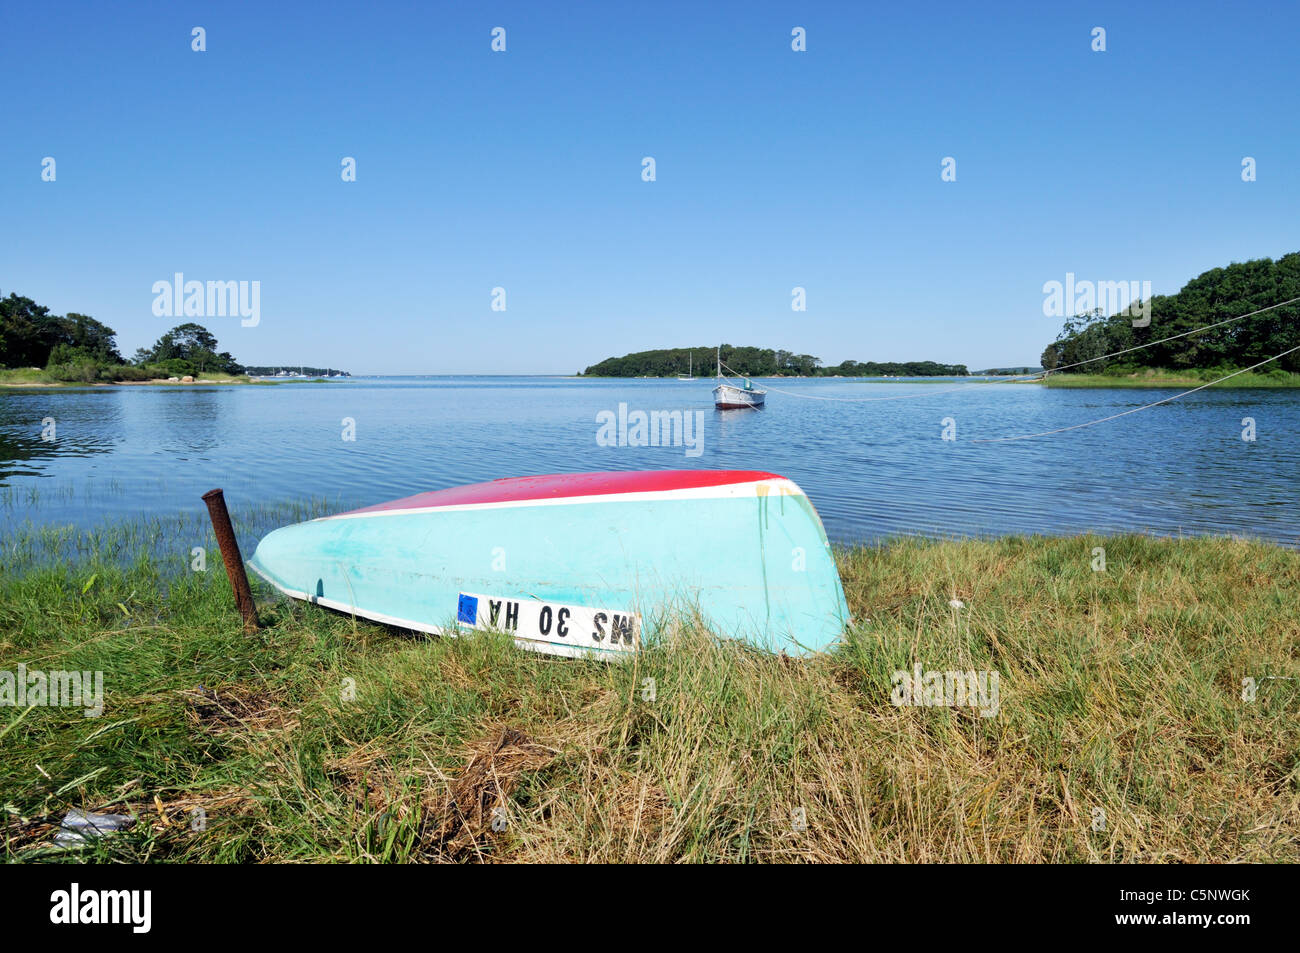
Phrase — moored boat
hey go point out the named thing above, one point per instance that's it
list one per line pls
(578, 564)
(690, 369)
(732, 397)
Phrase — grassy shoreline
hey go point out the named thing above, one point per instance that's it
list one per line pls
(34, 377)
(1121, 691)
(1158, 377)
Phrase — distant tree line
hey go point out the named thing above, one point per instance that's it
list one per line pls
(76, 347)
(894, 369)
(759, 362)
(1213, 296)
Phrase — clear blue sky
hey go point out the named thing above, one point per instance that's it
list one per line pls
(523, 170)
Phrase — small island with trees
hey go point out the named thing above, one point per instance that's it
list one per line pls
(759, 362)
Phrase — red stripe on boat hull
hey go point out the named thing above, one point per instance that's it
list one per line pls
(560, 485)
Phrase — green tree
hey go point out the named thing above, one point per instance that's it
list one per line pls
(191, 348)
(1209, 298)
(30, 333)
(97, 339)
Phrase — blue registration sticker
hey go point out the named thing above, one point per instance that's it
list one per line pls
(467, 609)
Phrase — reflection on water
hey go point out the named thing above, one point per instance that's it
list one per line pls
(30, 424)
(872, 469)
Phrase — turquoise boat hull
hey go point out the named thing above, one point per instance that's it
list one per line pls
(607, 558)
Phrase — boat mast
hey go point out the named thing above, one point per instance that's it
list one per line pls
(718, 354)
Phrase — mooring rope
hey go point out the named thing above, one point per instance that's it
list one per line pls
(1102, 420)
(1026, 377)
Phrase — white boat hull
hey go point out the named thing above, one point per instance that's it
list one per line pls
(730, 397)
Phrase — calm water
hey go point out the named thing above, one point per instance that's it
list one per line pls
(872, 469)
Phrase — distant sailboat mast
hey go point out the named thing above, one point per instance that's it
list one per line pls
(690, 368)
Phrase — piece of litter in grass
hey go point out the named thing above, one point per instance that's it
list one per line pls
(956, 603)
(79, 827)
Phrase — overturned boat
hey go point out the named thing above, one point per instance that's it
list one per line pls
(580, 563)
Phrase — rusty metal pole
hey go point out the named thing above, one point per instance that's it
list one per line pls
(216, 501)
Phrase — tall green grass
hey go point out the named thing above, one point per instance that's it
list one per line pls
(322, 738)
(166, 541)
